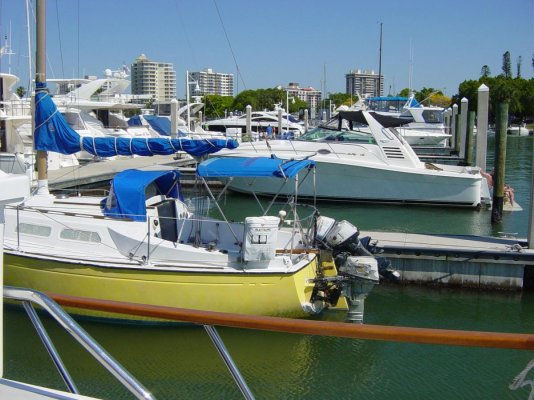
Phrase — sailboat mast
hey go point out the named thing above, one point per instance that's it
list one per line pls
(40, 81)
(380, 64)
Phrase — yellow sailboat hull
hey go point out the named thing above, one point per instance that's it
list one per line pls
(271, 294)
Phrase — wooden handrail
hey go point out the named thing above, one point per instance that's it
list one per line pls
(308, 327)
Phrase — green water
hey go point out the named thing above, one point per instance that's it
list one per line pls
(181, 362)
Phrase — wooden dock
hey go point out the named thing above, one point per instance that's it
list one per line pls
(455, 260)
(94, 173)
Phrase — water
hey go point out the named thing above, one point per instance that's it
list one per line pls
(181, 362)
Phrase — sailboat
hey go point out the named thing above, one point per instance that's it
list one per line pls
(141, 243)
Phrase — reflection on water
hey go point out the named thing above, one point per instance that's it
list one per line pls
(181, 362)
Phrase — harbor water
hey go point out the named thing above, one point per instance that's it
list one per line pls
(181, 362)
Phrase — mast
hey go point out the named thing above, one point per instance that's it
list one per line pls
(40, 82)
(379, 92)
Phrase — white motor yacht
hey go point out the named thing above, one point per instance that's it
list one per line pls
(425, 125)
(259, 122)
(379, 166)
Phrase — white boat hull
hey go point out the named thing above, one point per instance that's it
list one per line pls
(336, 181)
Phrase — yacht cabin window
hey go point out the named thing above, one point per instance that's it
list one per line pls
(36, 230)
(81, 236)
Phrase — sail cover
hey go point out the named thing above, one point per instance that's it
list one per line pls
(252, 167)
(127, 195)
(53, 133)
(162, 125)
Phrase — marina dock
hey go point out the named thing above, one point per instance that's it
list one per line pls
(455, 260)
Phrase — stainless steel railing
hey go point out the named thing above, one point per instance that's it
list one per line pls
(29, 297)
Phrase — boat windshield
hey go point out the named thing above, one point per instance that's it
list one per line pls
(323, 133)
(433, 116)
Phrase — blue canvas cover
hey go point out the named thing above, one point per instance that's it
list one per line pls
(253, 167)
(53, 133)
(127, 197)
(162, 125)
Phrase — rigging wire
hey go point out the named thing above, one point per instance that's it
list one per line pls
(59, 38)
(239, 74)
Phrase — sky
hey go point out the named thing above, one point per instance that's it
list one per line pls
(314, 43)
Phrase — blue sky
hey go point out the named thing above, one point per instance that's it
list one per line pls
(279, 41)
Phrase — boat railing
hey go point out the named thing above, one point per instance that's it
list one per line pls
(208, 319)
(30, 297)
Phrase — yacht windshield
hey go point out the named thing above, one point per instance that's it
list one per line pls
(326, 133)
(433, 116)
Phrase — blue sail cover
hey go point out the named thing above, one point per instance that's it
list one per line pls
(127, 196)
(253, 167)
(53, 133)
(162, 125)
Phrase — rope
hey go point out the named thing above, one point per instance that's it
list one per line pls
(519, 381)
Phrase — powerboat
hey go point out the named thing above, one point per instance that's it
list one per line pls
(425, 125)
(361, 157)
(259, 123)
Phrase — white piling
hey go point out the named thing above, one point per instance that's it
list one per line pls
(249, 121)
(306, 120)
(453, 124)
(280, 122)
(464, 110)
(174, 117)
(482, 126)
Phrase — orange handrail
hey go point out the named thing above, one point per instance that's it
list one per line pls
(308, 327)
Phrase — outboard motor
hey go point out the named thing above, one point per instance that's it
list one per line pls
(358, 270)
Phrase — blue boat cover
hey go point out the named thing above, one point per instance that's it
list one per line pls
(127, 195)
(162, 125)
(53, 133)
(388, 98)
(252, 167)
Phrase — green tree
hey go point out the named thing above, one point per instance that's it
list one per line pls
(519, 62)
(215, 105)
(405, 92)
(485, 71)
(506, 65)
(423, 95)
(21, 91)
(340, 99)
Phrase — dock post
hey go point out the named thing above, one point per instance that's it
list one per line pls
(482, 126)
(464, 110)
(500, 159)
(280, 122)
(248, 129)
(469, 140)
(458, 136)
(453, 125)
(306, 120)
(447, 122)
(530, 238)
(200, 118)
(174, 117)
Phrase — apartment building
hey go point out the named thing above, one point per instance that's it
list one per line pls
(309, 94)
(364, 83)
(157, 79)
(210, 82)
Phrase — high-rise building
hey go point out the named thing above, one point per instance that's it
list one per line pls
(153, 78)
(309, 94)
(210, 82)
(364, 83)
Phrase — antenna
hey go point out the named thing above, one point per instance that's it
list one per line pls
(6, 49)
(410, 70)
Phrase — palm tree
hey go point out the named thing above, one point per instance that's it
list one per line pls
(21, 91)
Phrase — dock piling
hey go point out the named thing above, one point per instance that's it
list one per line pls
(453, 125)
(464, 111)
(482, 126)
(500, 159)
(248, 130)
(469, 141)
